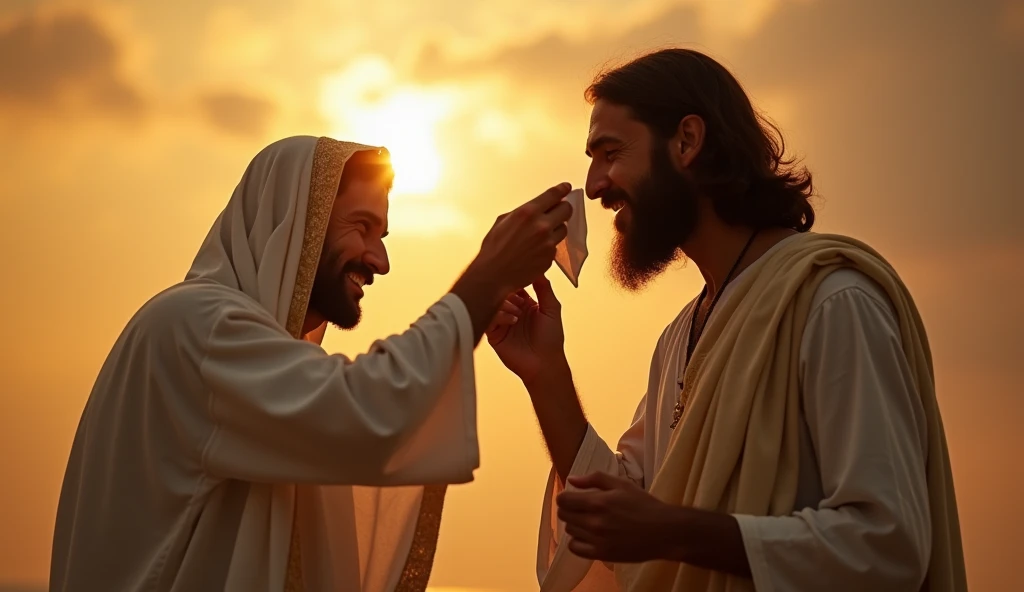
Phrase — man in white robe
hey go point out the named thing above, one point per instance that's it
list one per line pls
(789, 438)
(222, 449)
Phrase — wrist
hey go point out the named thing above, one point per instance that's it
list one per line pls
(481, 297)
(555, 371)
(672, 533)
(705, 539)
(479, 285)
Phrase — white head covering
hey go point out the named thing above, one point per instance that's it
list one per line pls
(267, 243)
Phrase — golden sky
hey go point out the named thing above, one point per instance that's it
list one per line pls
(126, 125)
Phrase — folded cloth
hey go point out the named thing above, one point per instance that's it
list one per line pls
(572, 251)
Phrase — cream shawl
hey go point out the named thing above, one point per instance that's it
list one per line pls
(736, 447)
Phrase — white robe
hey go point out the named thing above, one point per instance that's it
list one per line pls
(213, 431)
(861, 517)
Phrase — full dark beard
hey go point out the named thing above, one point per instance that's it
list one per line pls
(330, 295)
(663, 215)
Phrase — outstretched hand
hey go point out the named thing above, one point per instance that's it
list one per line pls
(520, 246)
(612, 519)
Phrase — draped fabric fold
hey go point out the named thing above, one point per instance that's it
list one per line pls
(276, 264)
(736, 448)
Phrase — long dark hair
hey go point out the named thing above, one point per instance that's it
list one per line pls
(742, 165)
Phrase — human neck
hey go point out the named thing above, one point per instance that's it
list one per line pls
(312, 322)
(715, 246)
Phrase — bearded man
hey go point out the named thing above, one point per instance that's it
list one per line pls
(790, 437)
(222, 449)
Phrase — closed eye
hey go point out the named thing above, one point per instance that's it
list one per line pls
(367, 229)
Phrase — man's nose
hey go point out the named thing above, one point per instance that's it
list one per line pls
(597, 182)
(377, 260)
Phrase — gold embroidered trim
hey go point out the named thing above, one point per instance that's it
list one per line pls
(420, 561)
(328, 161)
(293, 581)
(329, 158)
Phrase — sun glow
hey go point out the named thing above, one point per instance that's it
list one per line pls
(366, 103)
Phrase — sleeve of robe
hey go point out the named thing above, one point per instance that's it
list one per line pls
(871, 531)
(282, 409)
(558, 569)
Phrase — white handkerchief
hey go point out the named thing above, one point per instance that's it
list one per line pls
(572, 251)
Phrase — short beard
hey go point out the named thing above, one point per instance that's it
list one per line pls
(330, 296)
(663, 215)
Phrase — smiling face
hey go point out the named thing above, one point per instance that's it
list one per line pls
(673, 135)
(354, 250)
(633, 173)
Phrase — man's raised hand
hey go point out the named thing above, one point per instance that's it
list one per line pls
(519, 248)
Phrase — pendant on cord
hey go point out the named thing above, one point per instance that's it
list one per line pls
(677, 412)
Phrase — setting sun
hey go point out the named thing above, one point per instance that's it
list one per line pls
(128, 126)
(367, 104)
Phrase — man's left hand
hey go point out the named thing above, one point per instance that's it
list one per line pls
(614, 520)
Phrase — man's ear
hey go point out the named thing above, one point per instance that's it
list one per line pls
(687, 142)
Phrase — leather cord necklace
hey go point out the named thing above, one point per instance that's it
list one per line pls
(695, 334)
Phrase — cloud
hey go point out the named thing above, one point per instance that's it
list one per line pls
(1013, 20)
(67, 62)
(913, 114)
(70, 65)
(893, 106)
(560, 65)
(237, 113)
(968, 337)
